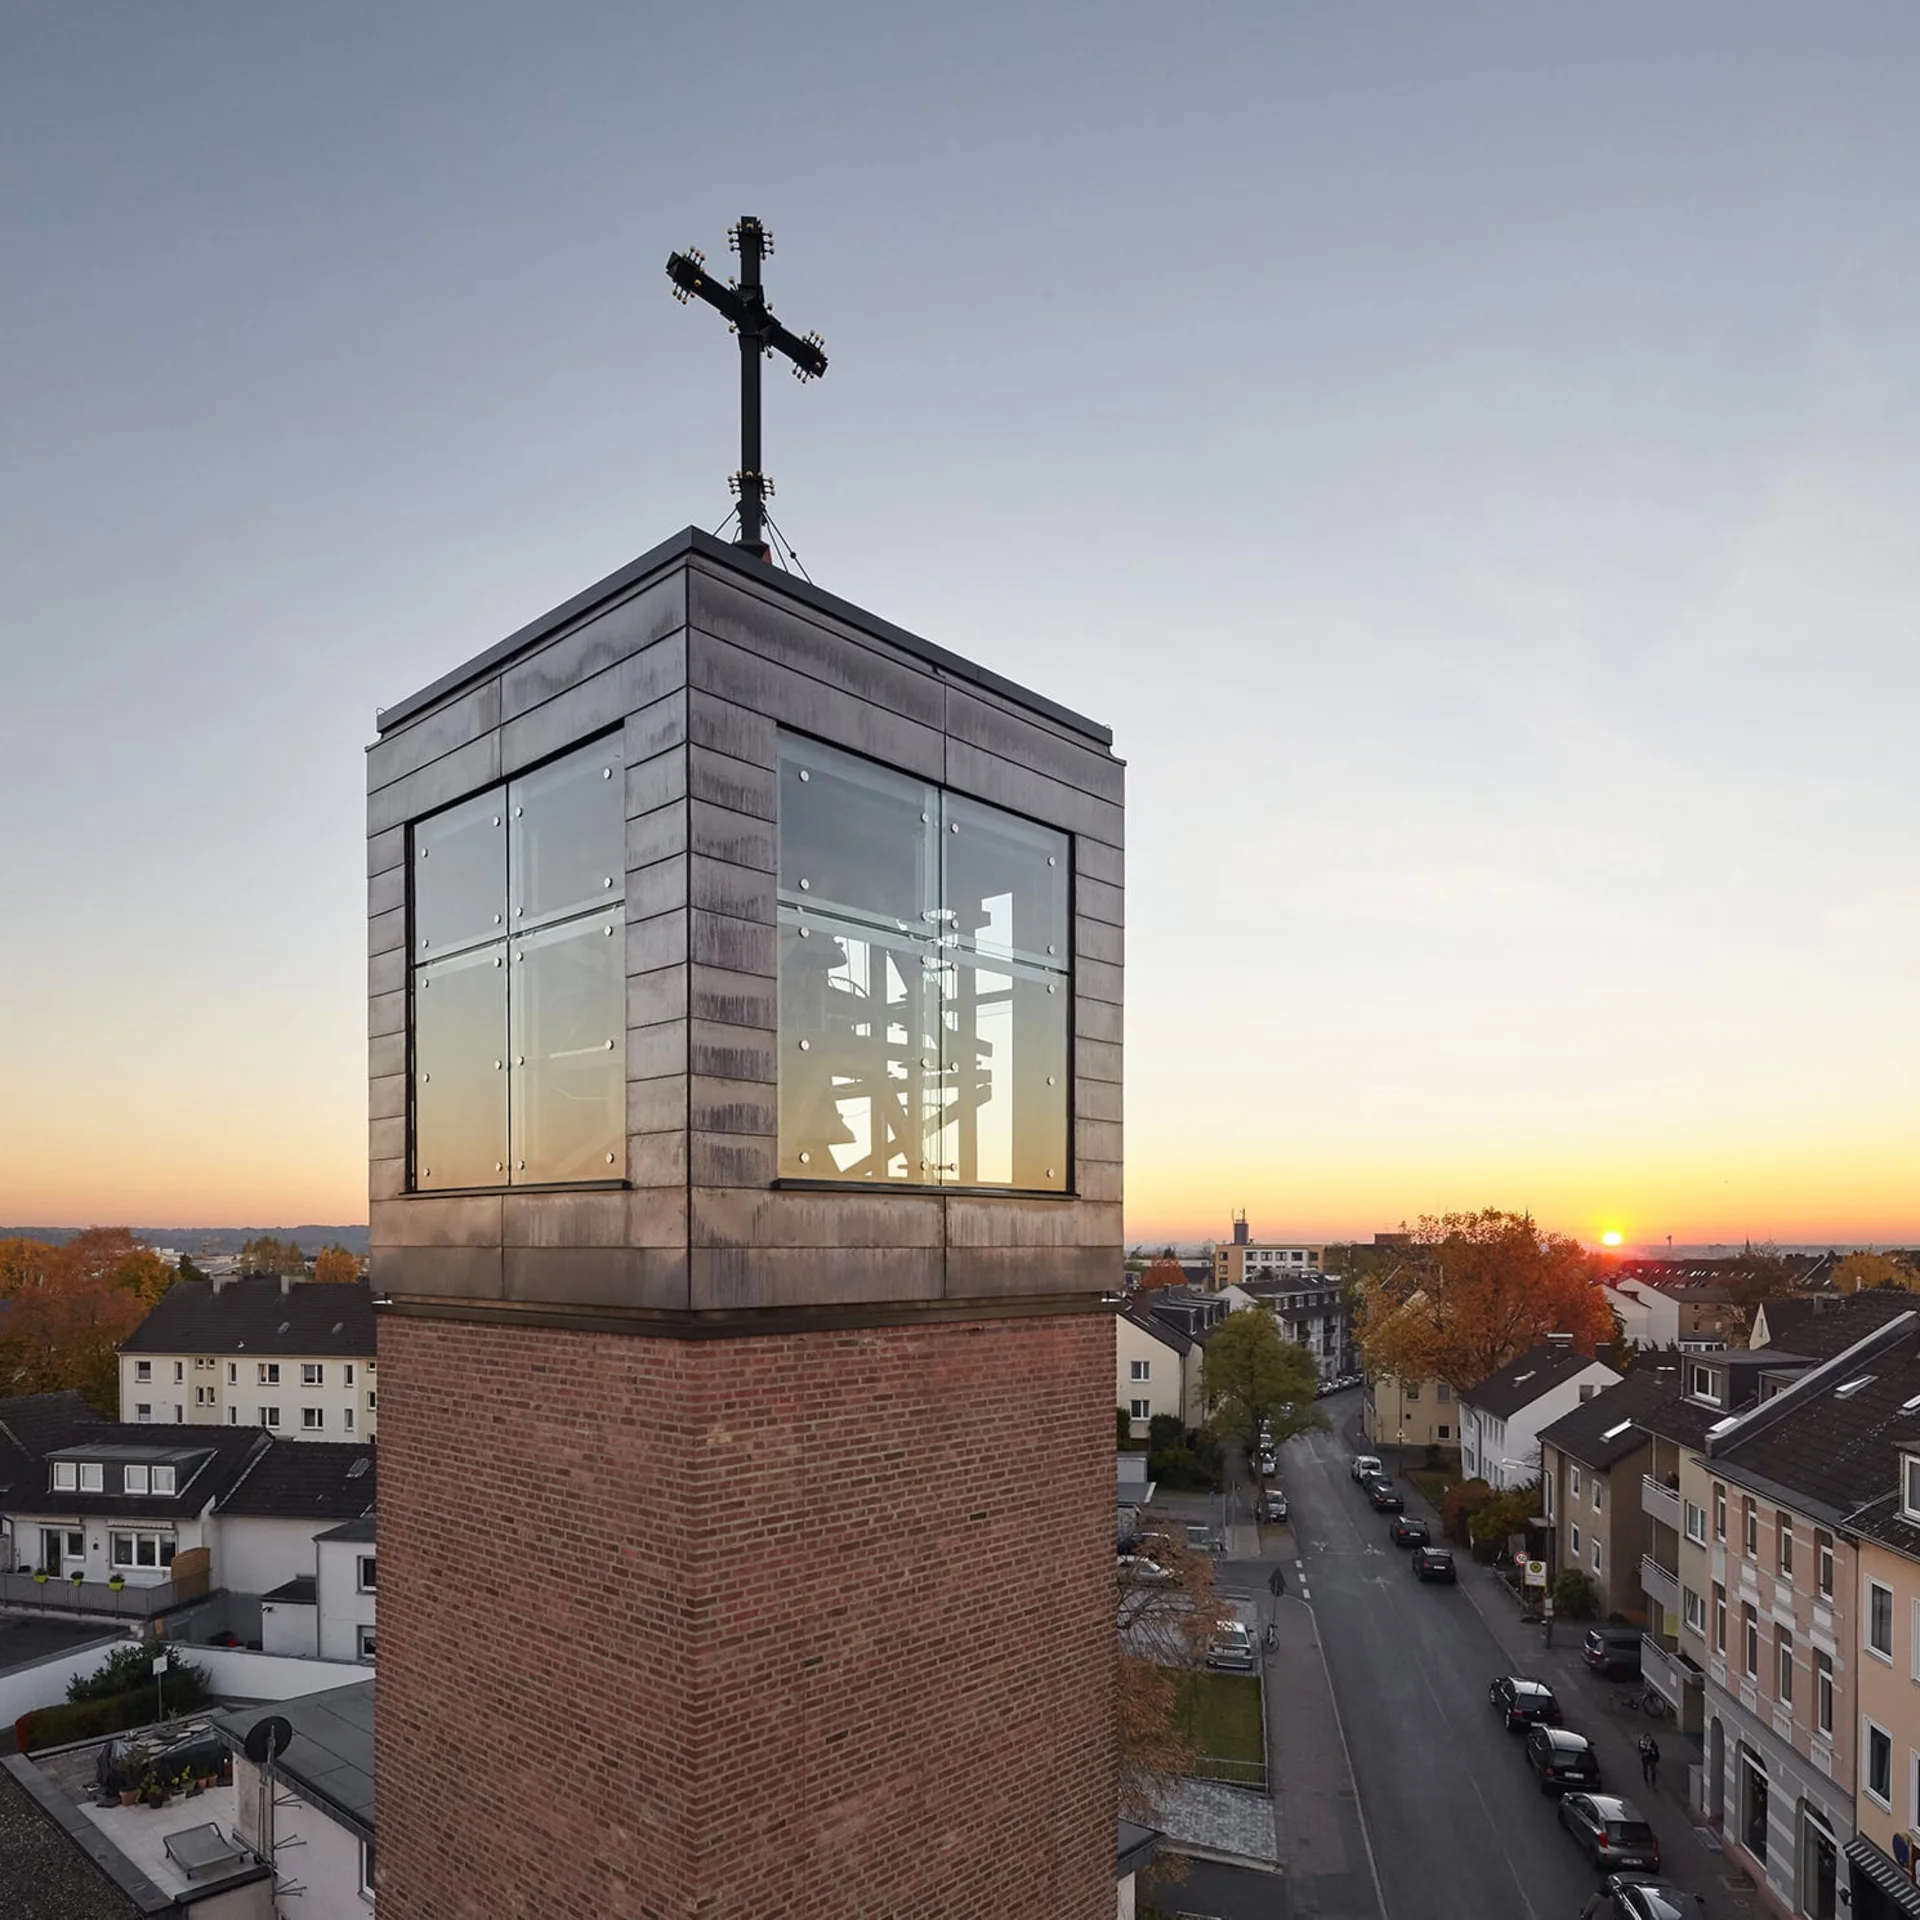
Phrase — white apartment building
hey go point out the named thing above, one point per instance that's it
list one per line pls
(295, 1357)
(1501, 1417)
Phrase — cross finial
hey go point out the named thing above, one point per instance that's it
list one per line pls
(744, 306)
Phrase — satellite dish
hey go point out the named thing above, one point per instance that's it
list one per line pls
(268, 1738)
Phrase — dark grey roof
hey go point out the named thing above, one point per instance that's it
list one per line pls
(330, 1760)
(206, 1462)
(303, 1590)
(1827, 1324)
(692, 541)
(360, 1531)
(312, 1319)
(36, 1852)
(1603, 1431)
(41, 1420)
(307, 1479)
(1137, 1846)
(1139, 1311)
(1521, 1382)
(1828, 1442)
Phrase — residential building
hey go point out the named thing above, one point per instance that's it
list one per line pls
(328, 1613)
(1314, 1310)
(1149, 1365)
(293, 1356)
(1410, 1413)
(313, 1821)
(1242, 1258)
(1502, 1415)
(1658, 1310)
(1785, 1735)
(1810, 1323)
(266, 1524)
(1592, 1461)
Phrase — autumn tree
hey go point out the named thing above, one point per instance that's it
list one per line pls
(1163, 1271)
(1471, 1291)
(1249, 1374)
(67, 1334)
(265, 1256)
(1167, 1610)
(23, 1264)
(334, 1264)
(1859, 1270)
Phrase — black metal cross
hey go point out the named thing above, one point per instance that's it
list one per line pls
(744, 305)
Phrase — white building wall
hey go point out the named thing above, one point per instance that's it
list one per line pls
(256, 1554)
(289, 1626)
(344, 1609)
(228, 1390)
(1134, 1347)
(328, 1854)
(96, 1562)
(1506, 1453)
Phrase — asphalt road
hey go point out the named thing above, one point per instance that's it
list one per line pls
(1458, 1828)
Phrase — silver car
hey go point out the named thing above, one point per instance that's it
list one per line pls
(1230, 1647)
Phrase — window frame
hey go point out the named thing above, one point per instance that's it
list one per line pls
(313, 1419)
(362, 1583)
(1719, 1511)
(1909, 1480)
(1869, 1728)
(1139, 1409)
(1783, 1546)
(1823, 1562)
(1783, 1666)
(66, 1476)
(1720, 1618)
(1139, 1370)
(135, 1478)
(1877, 1592)
(93, 1477)
(1749, 1641)
(1693, 1613)
(1693, 1523)
(313, 1373)
(1823, 1693)
(1750, 1526)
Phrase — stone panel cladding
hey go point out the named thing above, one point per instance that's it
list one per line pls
(813, 1623)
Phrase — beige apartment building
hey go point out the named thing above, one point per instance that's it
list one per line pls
(1886, 1804)
(1410, 1413)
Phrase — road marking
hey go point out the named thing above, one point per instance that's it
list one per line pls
(1353, 1779)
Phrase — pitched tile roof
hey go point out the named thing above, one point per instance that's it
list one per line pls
(206, 1461)
(306, 1479)
(312, 1318)
(1521, 1382)
(1602, 1431)
(1827, 1443)
(1139, 1312)
(1826, 1324)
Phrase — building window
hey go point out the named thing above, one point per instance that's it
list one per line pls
(143, 1371)
(179, 1415)
(1575, 1531)
(1593, 1550)
(233, 1416)
(1573, 1483)
(143, 1413)
(1879, 1619)
(366, 1643)
(1140, 1369)
(203, 1396)
(1413, 1390)
(1701, 1384)
(1750, 1526)
(1693, 1611)
(269, 1416)
(1823, 1563)
(1753, 1810)
(133, 1480)
(179, 1370)
(346, 1373)
(163, 1480)
(1823, 1692)
(1443, 1433)
(1719, 1513)
(366, 1572)
(1719, 1618)
(1879, 1766)
(312, 1374)
(1597, 1485)
(373, 1400)
(93, 1477)
(1749, 1642)
(313, 1419)
(346, 1421)
(366, 1859)
(1140, 1409)
(76, 1546)
(142, 1549)
(66, 1476)
(1786, 1547)
(924, 982)
(1442, 1392)
(1695, 1519)
(518, 980)
(1910, 1485)
(1783, 1655)
(269, 1373)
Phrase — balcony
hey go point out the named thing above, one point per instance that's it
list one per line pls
(1660, 1501)
(1676, 1680)
(1658, 1584)
(95, 1599)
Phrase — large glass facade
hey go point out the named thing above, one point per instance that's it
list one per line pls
(518, 980)
(925, 982)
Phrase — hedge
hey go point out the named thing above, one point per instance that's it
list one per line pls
(89, 1719)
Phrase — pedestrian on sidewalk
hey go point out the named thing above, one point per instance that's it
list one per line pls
(1649, 1759)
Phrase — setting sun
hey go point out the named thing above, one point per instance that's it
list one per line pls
(1611, 1238)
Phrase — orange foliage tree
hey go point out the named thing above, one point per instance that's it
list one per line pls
(333, 1265)
(1471, 1291)
(70, 1308)
(1163, 1271)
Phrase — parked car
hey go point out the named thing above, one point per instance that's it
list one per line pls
(1230, 1647)
(1613, 1651)
(1613, 1831)
(1524, 1703)
(1269, 1466)
(1366, 1467)
(1561, 1758)
(1205, 1540)
(1273, 1504)
(1407, 1533)
(1434, 1563)
(1385, 1497)
(1645, 1896)
(1137, 1568)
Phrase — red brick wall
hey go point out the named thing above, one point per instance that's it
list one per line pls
(810, 1625)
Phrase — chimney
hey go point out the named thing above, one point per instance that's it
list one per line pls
(220, 1280)
(1560, 1340)
(1240, 1228)
(286, 1285)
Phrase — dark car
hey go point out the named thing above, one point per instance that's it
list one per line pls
(1434, 1563)
(1524, 1703)
(1385, 1497)
(1562, 1759)
(1613, 1651)
(1613, 1831)
(1408, 1533)
(1645, 1896)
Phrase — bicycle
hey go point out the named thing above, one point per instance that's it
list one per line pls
(1648, 1700)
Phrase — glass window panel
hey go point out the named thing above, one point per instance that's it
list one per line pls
(859, 1051)
(1005, 885)
(856, 839)
(569, 1052)
(460, 876)
(568, 836)
(1003, 1100)
(459, 1071)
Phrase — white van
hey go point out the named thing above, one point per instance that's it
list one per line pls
(1366, 1468)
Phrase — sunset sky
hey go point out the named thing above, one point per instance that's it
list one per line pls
(1470, 455)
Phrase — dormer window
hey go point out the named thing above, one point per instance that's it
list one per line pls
(93, 1476)
(1703, 1383)
(66, 1476)
(133, 1480)
(1910, 1486)
(163, 1480)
